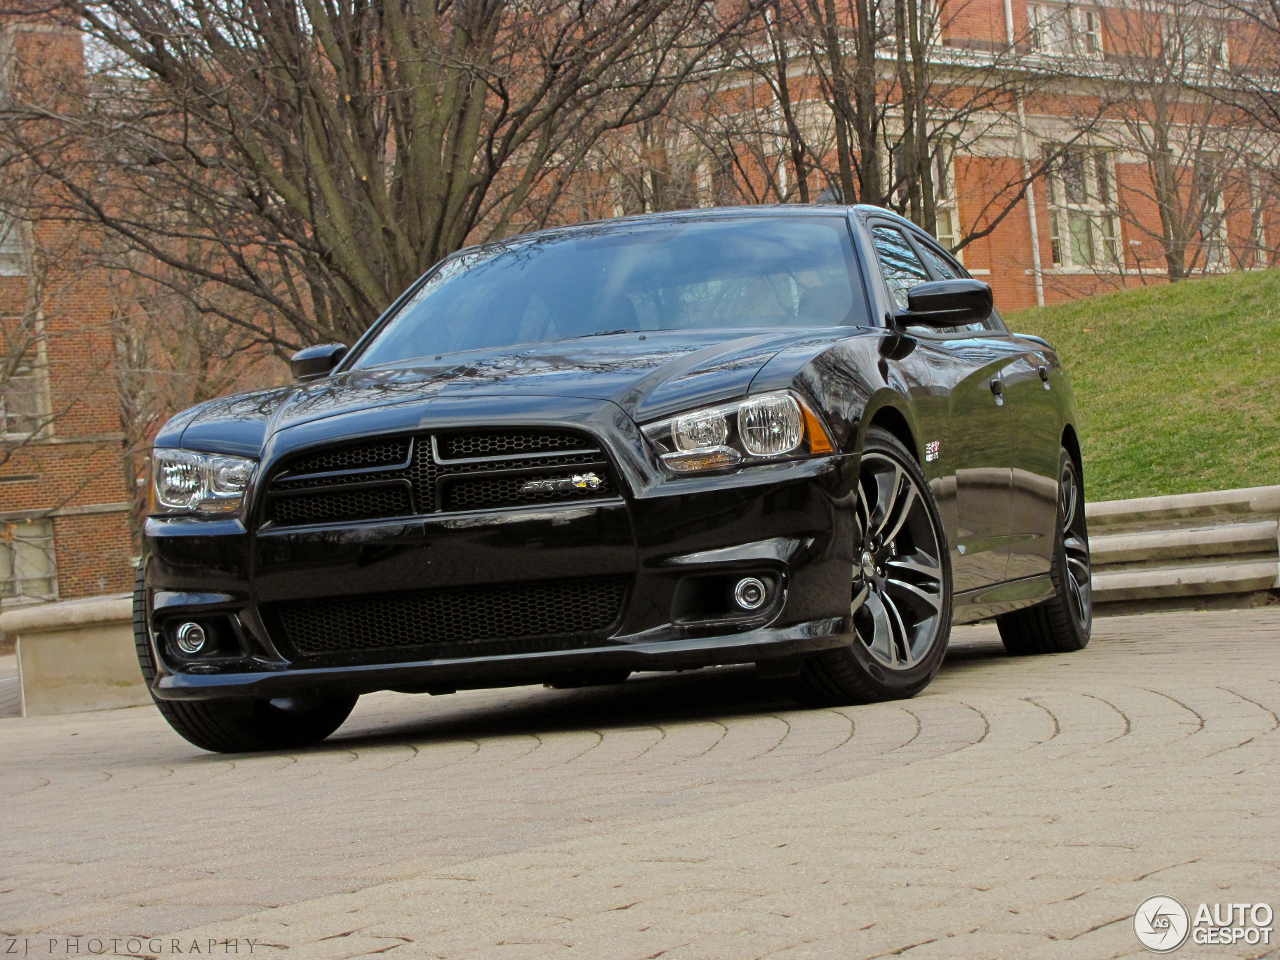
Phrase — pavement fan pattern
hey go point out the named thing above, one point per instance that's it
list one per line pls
(1020, 807)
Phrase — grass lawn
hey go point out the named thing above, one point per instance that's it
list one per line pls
(1178, 385)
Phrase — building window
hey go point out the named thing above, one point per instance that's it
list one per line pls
(1257, 218)
(1065, 30)
(724, 188)
(28, 570)
(1084, 227)
(947, 220)
(22, 396)
(1213, 225)
(13, 250)
(928, 22)
(1196, 44)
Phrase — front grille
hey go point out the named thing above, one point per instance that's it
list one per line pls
(382, 453)
(456, 622)
(339, 504)
(498, 443)
(446, 471)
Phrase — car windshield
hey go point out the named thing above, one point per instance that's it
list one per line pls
(773, 271)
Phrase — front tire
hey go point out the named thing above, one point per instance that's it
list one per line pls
(1063, 623)
(238, 726)
(900, 601)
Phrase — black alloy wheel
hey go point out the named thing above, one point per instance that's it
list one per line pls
(239, 726)
(900, 601)
(1064, 622)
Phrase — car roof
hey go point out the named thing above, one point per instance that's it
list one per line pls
(862, 210)
(698, 213)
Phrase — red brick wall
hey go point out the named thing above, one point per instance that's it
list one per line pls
(78, 464)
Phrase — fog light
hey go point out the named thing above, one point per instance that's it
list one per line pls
(191, 638)
(749, 593)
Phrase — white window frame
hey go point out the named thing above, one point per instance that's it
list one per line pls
(944, 194)
(1201, 45)
(1215, 245)
(29, 548)
(1065, 30)
(1257, 220)
(34, 371)
(14, 261)
(1097, 212)
(886, 20)
(946, 204)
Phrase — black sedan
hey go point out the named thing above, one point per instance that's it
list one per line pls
(799, 438)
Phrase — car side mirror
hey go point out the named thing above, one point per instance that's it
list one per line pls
(312, 363)
(949, 303)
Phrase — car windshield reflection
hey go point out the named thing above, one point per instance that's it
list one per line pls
(794, 272)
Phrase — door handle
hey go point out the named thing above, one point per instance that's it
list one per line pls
(1044, 372)
(997, 386)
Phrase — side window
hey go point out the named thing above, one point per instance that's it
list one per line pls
(944, 268)
(901, 267)
(941, 266)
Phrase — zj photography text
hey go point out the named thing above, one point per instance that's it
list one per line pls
(124, 946)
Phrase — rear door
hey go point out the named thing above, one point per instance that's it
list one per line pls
(971, 461)
(1033, 417)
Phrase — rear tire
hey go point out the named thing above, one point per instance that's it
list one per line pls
(238, 726)
(900, 602)
(1063, 623)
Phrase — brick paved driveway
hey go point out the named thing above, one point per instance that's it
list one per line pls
(1020, 808)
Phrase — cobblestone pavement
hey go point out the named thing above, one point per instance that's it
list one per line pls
(1019, 808)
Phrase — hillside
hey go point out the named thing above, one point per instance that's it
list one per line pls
(1178, 385)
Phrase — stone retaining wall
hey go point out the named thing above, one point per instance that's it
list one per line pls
(1195, 545)
(76, 656)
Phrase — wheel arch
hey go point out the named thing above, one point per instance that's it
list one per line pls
(891, 418)
(1072, 444)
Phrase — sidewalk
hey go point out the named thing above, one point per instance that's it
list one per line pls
(1020, 808)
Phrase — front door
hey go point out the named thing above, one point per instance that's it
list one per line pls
(972, 459)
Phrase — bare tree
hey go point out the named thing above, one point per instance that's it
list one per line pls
(1191, 149)
(169, 355)
(319, 156)
(871, 102)
(1253, 32)
(39, 269)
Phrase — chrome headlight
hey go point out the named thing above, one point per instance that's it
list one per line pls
(198, 484)
(768, 427)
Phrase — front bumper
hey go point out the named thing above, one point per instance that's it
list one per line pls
(447, 676)
(789, 524)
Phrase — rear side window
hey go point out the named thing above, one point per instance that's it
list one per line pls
(942, 268)
(903, 268)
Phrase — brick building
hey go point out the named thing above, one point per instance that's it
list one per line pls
(1088, 224)
(1092, 98)
(64, 503)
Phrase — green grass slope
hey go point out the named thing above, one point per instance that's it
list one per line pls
(1178, 385)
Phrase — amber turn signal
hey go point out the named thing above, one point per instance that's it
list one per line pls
(819, 442)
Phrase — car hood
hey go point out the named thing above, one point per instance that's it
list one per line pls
(648, 375)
